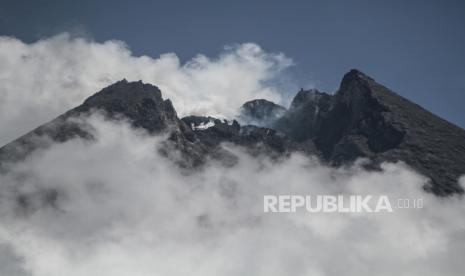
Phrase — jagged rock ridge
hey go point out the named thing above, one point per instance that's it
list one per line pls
(366, 119)
(362, 119)
(261, 113)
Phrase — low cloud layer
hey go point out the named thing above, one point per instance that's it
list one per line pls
(114, 206)
(41, 80)
(122, 209)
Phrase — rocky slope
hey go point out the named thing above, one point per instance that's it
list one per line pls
(141, 104)
(362, 119)
(261, 113)
(366, 119)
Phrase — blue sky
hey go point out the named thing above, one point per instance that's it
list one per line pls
(415, 48)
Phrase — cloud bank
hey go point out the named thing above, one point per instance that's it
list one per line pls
(122, 209)
(114, 206)
(38, 81)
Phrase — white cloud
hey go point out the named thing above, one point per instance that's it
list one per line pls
(125, 210)
(122, 209)
(41, 80)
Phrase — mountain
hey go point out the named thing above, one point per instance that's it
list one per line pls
(260, 112)
(366, 119)
(141, 104)
(303, 120)
(362, 119)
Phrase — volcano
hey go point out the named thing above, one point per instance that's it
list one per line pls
(363, 119)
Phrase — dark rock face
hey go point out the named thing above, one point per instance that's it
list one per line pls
(387, 127)
(363, 119)
(211, 132)
(305, 116)
(261, 113)
(357, 114)
(141, 104)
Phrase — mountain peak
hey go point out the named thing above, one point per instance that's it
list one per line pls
(354, 78)
(305, 96)
(125, 91)
(355, 73)
(261, 112)
(141, 103)
(363, 119)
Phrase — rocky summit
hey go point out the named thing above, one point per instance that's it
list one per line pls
(362, 119)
